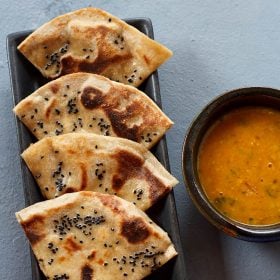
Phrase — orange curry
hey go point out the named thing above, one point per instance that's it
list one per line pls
(239, 165)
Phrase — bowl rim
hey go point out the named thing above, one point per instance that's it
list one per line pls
(193, 186)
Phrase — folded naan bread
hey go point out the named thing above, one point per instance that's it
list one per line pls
(84, 102)
(85, 161)
(89, 235)
(92, 40)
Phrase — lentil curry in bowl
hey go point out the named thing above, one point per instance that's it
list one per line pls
(231, 163)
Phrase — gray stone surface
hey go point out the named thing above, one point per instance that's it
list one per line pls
(218, 45)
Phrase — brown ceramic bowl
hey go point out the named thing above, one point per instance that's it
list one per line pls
(240, 97)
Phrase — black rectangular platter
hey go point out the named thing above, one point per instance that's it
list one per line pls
(25, 79)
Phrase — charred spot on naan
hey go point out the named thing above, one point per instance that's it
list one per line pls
(131, 166)
(114, 205)
(156, 187)
(70, 190)
(118, 120)
(109, 49)
(92, 98)
(71, 246)
(87, 272)
(55, 87)
(91, 256)
(84, 177)
(135, 230)
(50, 108)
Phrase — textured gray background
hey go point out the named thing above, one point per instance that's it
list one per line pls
(218, 45)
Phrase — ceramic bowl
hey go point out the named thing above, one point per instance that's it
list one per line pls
(216, 108)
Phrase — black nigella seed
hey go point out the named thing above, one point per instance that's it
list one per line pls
(116, 42)
(87, 57)
(84, 50)
(109, 19)
(68, 86)
(32, 117)
(45, 132)
(47, 99)
(81, 242)
(82, 207)
(45, 47)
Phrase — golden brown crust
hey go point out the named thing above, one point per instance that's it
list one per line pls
(89, 235)
(84, 161)
(33, 228)
(92, 40)
(91, 103)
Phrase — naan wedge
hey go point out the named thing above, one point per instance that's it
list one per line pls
(89, 235)
(92, 40)
(84, 102)
(84, 161)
